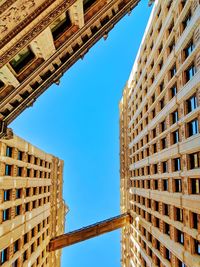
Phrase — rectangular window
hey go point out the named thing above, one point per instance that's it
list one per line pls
(168, 254)
(5, 215)
(165, 185)
(191, 104)
(190, 72)
(178, 185)
(173, 71)
(156, 184)
(187, 19)
(175, 137)
(20, 154)
(193, 127)
(175, 117)
(188, 50)
(19, 171)
(167, 228)
(179, 214)
(195, 186)
(197, 246)
(173, 90)
(194, 220)
(17, 210)
(7, 195)
(162, 103)
(8, 170)
(163, 126)
(16, 245)
(18, 193)
(60, 25)
(8, 151)
(194, 161)
(164, 143)
(164, 165)
(177, 164)
(22, 59)
(4, 253)
(180, 237)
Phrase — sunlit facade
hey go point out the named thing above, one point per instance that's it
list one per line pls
(160, 141)
(32, 209)
(40, 40)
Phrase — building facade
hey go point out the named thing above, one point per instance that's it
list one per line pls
(40, 40)
(32, 210)
(160, 141)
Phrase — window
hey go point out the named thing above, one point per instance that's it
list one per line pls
(24, 57)
(20, 155)
(190, 72)
(165, 185)
(17, 210)
(164, 143)
(194, 161)
(173, 91)
(7, 194)
(197, 246)
(166, 209)
(163, 126)
(6, 215)
(8, 170)
(171, 27)
(177, 164)
(175, 137)
(195, 186)
(194, 220)
(156, 184)
(180, 237)
(175, 116)
(168, 254)
(8, 151)
(188, 50)
(162, 103)
(25, 238)
(191, 103)
(178, 185)
(167, 228)
(4, 255)
(16, 245)
(187, 19)
(173, 71)
(164, 165)
(193, 127)
(179, 214)
(19, 172)
(18, 193)
(60, 25)
(87, 4)
(172, 46)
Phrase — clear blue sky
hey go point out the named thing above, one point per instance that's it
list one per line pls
(78, 122)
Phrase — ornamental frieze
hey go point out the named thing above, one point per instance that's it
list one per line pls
(29, 36)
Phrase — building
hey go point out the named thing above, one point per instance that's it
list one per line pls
(160, 141)
(32, 209)
(40, 40)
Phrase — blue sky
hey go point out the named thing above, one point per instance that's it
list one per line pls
(78, 121)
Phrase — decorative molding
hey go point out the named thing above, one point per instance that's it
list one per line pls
(45, 22)
(6, 5)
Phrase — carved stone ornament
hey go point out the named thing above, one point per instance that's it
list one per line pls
(45, 22)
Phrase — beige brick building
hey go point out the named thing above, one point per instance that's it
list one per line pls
(41, 39)
(32, 210)
(160, 141)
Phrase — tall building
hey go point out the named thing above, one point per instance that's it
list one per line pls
(32, 210)
(40, 40)
(160, 141)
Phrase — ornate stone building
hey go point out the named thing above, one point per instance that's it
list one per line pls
(30, 203)
(40, 40)
(160, 141)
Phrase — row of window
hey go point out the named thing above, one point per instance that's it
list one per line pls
(27, 158)
(139, 125)
(20, 210)
(26, 172)
(187, 49)
(163, 185)
(25, 239)
(8, 194)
